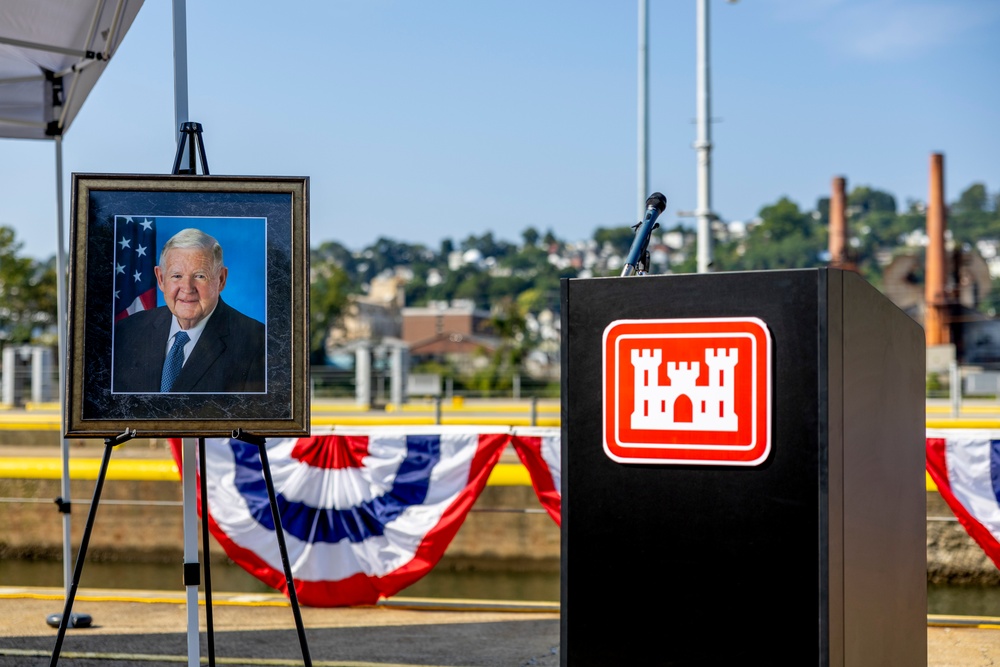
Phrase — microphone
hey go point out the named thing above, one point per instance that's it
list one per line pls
(638, 256)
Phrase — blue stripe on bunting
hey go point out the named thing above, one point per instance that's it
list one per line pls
(317, 524)
(995, 468)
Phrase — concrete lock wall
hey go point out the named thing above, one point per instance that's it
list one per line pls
(145, 532)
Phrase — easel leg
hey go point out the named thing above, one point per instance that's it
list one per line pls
(209, 625)
(192, 568)
(109, 444)
(280, 533)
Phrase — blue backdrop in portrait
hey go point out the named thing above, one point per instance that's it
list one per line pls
(244, 248)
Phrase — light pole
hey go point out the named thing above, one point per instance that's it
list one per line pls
(643, 104)
(703, 143)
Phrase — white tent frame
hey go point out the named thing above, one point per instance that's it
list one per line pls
(46, 113)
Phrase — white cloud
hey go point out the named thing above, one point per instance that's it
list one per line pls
(887, 29)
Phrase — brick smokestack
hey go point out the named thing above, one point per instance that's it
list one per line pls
(838, 225)
(936, 311)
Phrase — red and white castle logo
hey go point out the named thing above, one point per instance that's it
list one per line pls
(687, 391)
(683, 404)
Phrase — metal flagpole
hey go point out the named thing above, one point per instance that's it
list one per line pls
(643, 104)
(704, 144)
(189, 473)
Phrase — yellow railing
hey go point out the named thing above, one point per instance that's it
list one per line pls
(165, 470)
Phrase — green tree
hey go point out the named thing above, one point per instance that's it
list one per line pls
(865, 199)
(619, 238)
(783, 219)
(328, 292)
(876, 228)
(786, 238)
(447, 247)
(530, 236)
(27, 293)
(509, 323)
(974, 216)
(487, 245)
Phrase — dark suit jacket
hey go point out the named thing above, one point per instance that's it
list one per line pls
(229, 355)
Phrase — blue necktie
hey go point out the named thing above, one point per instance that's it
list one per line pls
(175, 359)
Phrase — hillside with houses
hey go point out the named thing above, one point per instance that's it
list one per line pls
(481, 310)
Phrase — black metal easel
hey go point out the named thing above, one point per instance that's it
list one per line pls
(190, 141)
(109, 444)
(279, 532)
(190, 138)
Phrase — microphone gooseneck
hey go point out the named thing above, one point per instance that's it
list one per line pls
(638, 255)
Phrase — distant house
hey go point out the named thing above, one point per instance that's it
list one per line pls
(370, 317)
(457, 332)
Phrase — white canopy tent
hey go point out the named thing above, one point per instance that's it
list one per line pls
(52, 53)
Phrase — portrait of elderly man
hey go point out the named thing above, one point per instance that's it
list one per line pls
(196, 342)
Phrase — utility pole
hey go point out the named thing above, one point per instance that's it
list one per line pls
(703, 144)
(643, 105)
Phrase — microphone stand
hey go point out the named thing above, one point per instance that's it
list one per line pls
(638, 255)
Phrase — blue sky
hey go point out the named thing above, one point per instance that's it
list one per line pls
(444, 118)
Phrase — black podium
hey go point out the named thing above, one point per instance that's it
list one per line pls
(743, 472)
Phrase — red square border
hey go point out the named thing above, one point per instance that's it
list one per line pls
(687, 391)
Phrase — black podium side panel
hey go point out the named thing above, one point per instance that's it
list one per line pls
(683, 565)
(884, 539)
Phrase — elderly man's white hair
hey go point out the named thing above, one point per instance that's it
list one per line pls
(194, 238)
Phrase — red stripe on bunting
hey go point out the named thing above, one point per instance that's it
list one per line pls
(529, 450)
(937, 467)
(325, 453)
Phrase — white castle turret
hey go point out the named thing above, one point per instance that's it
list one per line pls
(685, 405)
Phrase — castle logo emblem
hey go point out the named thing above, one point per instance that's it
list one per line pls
(687, 391)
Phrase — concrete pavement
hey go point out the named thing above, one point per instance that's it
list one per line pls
(148, 629)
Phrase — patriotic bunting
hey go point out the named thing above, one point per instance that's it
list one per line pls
(365, 514)
(965, 465)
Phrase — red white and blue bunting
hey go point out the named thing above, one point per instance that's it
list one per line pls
(965, 466)
(365, 513)
(368, 512)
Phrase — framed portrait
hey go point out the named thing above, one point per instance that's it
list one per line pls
(189, 306)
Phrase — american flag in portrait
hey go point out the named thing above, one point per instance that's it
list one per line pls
(135, 247)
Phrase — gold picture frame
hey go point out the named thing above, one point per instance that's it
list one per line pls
(248, 370)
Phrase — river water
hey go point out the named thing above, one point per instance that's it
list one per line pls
(230, 578)
(439, 583)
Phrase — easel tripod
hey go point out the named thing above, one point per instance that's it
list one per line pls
(191, 140)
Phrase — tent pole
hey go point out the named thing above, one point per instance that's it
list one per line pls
(180, 67)
(62, 361)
